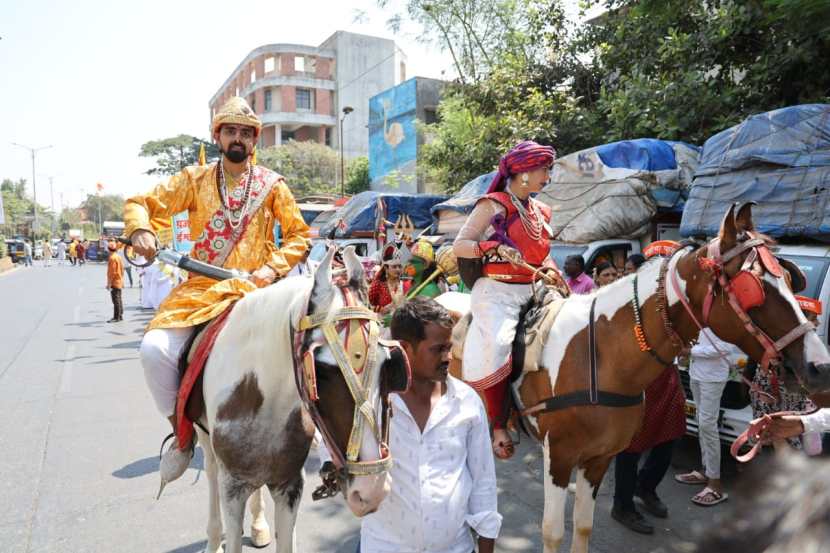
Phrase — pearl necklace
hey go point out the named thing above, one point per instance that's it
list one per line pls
(245, 181)
(531, 218)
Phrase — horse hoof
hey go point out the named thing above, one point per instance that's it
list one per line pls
(260, 537)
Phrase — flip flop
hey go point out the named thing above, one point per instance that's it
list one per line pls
(702, 498)
(693, 478)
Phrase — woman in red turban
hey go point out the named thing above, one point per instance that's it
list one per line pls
(506, 222)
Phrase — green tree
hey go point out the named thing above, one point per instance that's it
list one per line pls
(174, 154)
(107, 207)
(308, 167)
(357, 175)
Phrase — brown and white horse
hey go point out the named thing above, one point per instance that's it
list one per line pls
(670, 294)
(260, 429)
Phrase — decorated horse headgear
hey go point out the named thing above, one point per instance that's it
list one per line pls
(525, 156)
(662, 248)
(809, 304)
(744, 291)
(356, 357)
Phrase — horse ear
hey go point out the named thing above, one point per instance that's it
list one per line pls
(322, 292)
(743, 218)
(728, 234)
(354, 268)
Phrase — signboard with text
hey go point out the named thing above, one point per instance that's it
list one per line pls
(181, 233)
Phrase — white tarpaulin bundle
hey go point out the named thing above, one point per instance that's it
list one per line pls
(614, 190)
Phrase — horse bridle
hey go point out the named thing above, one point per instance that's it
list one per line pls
(358, 363)
(744, 291)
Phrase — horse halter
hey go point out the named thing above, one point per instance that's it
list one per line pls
(744, 291)
(358, 363)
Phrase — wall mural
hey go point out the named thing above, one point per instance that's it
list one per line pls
(393, 138)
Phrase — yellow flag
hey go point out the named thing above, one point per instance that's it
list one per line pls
(253, 157)
(202, 160)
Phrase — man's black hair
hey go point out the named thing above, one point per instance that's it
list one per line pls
(409, 320)
(636, 259)
(579, 260)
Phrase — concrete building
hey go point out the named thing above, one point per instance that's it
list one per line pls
(300, 91)
(394, 138)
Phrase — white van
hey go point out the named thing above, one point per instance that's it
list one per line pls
(736, 411)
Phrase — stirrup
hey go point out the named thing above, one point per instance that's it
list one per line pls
(173, 463)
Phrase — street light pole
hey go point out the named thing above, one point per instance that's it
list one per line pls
(34, 185)
(346, 110)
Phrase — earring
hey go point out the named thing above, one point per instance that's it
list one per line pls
(525, 178)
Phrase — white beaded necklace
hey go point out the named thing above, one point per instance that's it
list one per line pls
(245, 181)
(531, 219)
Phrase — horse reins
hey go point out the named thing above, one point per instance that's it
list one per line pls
(358, 368)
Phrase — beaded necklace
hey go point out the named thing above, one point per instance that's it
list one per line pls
(242, 211)
(531, 218)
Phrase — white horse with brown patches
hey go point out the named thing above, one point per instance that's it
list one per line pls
(634, 328)
(260, 429)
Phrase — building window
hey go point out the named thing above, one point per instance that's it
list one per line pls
(328, 137)
(299, 64)
(430, 116)
(287, 135)
(252, 74)
(269, 64)
(268, 100)
(303, 99)
(253, 102)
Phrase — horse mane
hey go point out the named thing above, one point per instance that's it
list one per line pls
(264, 308)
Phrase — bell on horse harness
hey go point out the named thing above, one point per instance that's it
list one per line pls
(358, 364)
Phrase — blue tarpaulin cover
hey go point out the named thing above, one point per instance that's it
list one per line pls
(360, 212)
(448, 216)
(779, 159)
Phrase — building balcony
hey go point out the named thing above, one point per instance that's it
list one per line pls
(297, 81)
(297, 118)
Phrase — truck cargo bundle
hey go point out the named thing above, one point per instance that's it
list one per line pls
(449, 216)
(359, 216)
(615, 190)
(780, 160)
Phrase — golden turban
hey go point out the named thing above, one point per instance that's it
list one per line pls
(236, 111)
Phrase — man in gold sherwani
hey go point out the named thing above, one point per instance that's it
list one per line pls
(233, 206)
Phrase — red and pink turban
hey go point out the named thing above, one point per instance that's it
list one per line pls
(526, 156)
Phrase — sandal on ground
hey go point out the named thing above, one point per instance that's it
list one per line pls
(504, 449)
(707, 497)
(693, 478)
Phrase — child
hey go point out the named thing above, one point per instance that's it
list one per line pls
(115, 281)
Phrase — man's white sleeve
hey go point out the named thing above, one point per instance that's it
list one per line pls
(482, 510)
(817, 422)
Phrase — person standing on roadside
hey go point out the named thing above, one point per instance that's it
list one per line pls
(27, 253)
(80, 250)
(47, 253)
(61, 248)
(73, 251)
(115, 282)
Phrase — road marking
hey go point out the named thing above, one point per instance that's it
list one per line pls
(66, 373)
(76, 314)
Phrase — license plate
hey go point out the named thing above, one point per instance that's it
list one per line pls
(690, 409)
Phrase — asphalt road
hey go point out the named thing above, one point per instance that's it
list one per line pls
(79, 440)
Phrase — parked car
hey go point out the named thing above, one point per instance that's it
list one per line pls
(15, 249)
(736, 411)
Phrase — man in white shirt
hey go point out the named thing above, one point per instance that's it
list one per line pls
(709, 373)
(443, 475)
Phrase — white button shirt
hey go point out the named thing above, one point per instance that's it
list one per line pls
(707, 362)
(443, 481)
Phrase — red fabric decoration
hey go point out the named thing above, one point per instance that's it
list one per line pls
(664, 419)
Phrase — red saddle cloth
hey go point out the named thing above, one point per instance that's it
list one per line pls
(184, 430)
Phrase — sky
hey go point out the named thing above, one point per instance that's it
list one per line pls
(96, 79)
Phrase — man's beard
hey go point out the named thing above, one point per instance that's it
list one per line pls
(236, 152)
